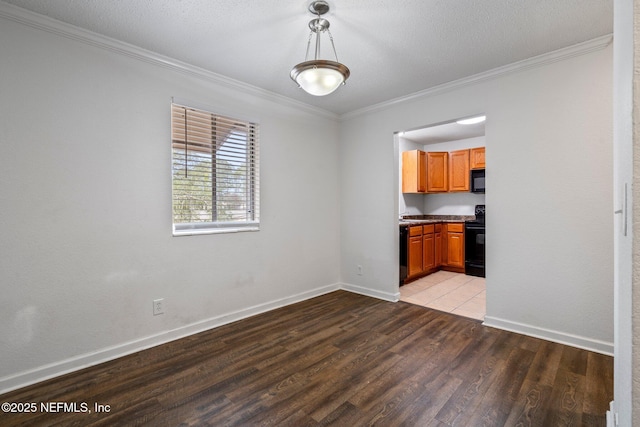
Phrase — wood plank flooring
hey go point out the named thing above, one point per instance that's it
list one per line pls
(340, 359)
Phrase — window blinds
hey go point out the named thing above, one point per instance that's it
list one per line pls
(215, 175)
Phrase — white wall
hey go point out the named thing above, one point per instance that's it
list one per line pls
(453, 203)
(461, 144)
(86, 223)
(86, 208)
(549, 153)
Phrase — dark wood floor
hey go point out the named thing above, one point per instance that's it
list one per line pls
(339, 359)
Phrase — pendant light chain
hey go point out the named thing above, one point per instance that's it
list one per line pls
(306, 55)
(319, 30)
(333, 45)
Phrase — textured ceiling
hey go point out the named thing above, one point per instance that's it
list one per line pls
(392, 47)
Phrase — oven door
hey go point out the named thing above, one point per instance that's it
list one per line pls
(474, 249)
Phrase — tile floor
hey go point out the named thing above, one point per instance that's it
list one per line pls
(446, 291)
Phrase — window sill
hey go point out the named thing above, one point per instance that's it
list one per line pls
(190, 230)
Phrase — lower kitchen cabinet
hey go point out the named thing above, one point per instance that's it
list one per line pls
(414, 252)
(428, 247)
(455, 246)
(438, 245)
(433, 247)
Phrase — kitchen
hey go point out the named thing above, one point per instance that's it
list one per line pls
(442, 208)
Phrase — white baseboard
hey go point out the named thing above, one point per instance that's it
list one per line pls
(387, 296)
(585, 343)
(82, 361)
(612, 415)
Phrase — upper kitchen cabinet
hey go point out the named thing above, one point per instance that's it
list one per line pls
(459, 170)
(437, 165)
(414, 171)
(477, 158)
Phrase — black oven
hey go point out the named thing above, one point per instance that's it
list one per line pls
(477, 181)
(474, 244)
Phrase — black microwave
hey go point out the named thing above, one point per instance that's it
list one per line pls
(477, 181)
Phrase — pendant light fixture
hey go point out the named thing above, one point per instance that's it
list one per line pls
(319, 77)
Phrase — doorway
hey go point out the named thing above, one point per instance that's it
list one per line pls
(449, 291)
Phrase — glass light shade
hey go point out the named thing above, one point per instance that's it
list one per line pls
(319, 77)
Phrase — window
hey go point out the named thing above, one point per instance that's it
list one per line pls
(215, 172)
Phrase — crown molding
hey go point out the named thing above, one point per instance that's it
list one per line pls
(533, 62)
(53, 26)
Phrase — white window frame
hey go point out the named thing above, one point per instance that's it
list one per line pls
(234, 145)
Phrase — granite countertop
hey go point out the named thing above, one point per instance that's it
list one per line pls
(433, 219)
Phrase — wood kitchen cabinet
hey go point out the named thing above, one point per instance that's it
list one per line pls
(437, 166)
(428, 247)
(459, 171)
(432, 247)
(414, 251)
(440, 172)
(414, 171)
(438, 245)
(477, 158)
(454, 252)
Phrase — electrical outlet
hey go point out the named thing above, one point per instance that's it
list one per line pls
(158, 306)
(359, 270)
